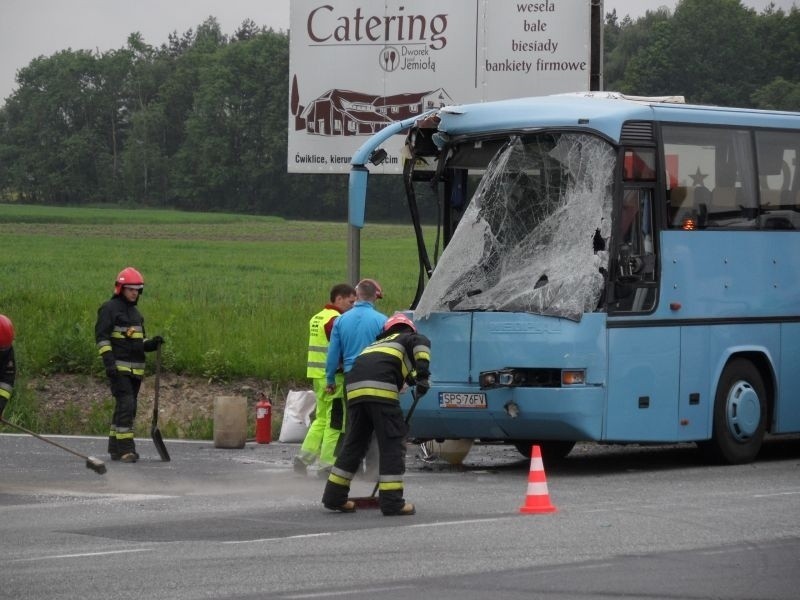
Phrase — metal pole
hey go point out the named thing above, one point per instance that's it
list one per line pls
(596, 25)
(353, 254)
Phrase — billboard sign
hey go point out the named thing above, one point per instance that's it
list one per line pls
(357, 65)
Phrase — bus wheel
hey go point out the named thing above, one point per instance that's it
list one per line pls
(551, 449)
(740, 409)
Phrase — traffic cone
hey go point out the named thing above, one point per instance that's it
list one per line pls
(537, 500)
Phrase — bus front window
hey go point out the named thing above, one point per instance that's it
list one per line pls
(533, 237)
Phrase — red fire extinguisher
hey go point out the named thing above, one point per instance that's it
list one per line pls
(263, 420)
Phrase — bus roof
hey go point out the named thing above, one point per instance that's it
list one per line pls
(604, 112)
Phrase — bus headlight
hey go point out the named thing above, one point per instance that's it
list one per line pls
(502, 378)
(487, 379)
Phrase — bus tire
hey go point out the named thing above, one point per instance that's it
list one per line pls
(740, 414)
(551, 449)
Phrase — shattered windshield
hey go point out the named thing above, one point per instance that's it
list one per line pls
(534, 236)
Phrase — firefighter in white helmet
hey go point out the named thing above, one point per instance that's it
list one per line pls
(121, 342)
(398, 356)
(8, 368)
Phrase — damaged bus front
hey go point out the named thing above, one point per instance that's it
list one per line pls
(514, 308)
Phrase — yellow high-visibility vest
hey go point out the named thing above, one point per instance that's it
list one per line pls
(318, 343)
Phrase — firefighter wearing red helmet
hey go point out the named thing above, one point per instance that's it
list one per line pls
(8, 368)
(122, 343)
(398, 356)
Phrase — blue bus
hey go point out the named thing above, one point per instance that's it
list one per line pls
(614, 269)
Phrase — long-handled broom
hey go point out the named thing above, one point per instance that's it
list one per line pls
(95, 464)
(372, 500)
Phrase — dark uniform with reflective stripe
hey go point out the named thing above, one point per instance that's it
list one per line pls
(120, 337)
(373, 390)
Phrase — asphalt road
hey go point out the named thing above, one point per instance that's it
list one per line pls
(632, 522)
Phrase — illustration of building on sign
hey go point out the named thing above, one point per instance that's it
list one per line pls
(345, 112)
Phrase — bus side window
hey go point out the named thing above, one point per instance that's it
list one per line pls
(717, 166)
(635, 258)
(636, 221)
(778, 180)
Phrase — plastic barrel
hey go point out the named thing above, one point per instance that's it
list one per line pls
(230, 421)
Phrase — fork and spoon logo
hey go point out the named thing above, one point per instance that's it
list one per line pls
(389, 59)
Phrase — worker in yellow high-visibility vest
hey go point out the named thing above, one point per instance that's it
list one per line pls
(323, 435)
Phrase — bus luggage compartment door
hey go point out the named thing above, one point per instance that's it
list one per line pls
(642, 384)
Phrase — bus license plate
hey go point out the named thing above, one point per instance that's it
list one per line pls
(462, 400)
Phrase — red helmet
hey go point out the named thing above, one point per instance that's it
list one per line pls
(128, 277)
(6, 332)
(399, 319)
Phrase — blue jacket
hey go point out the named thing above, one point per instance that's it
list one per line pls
(352, 332)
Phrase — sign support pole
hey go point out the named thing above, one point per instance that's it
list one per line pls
(353, 254)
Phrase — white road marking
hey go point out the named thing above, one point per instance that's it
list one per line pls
(328, 594)
(81, 555)
(793, 493)
(463, 522)
(282, 538)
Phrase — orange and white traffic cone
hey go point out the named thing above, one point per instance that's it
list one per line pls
(537, 500)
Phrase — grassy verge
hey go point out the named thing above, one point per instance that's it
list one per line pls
(231, 294)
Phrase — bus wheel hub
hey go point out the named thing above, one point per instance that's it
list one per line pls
(743, 410)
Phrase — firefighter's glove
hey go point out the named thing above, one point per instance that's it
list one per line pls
(423, 385)
(111, 372)
(153, 343)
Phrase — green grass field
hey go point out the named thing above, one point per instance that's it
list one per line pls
(231, 294)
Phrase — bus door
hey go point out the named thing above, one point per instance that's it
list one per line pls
(644, 359)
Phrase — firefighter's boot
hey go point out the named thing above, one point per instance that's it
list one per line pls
(113, 451)
(126, 447)
(407, 510)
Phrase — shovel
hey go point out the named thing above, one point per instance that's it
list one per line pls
(154, 432)
(372, 500)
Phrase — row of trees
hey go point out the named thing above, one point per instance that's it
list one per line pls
(711, 51)
(198, 123)
(201, 122)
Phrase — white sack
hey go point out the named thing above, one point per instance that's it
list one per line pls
(300, 406)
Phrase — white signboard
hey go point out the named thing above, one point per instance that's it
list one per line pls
(357, 65)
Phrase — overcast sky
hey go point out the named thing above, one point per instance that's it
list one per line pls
(31, 28)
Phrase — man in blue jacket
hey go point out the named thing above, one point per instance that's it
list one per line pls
(354, 330)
